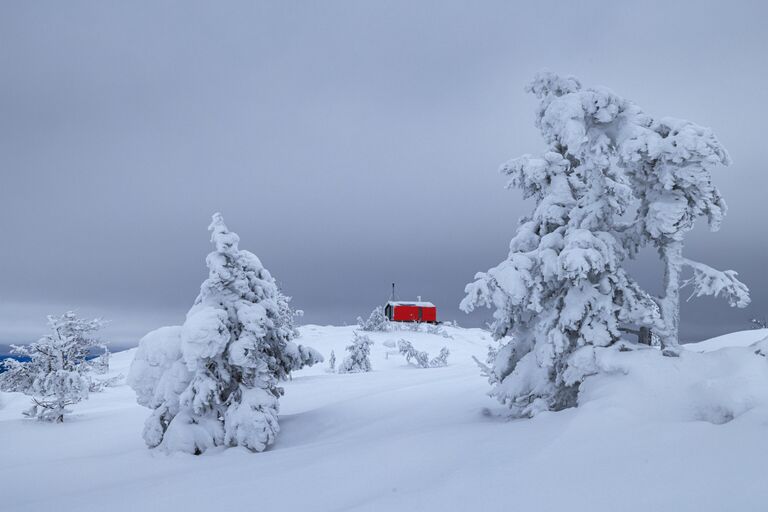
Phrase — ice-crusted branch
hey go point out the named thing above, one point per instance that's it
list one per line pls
(710, 281)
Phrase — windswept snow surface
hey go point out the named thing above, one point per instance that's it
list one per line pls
(654, 433)
(735, 339)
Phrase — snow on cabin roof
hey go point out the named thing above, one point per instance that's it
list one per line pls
(411, 303)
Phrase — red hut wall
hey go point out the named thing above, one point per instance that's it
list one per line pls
(406, 314)
(429, 314)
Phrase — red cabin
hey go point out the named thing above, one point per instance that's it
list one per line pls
(402, 311)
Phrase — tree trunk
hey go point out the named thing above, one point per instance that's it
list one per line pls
(670, 303)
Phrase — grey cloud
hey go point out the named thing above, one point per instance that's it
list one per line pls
(350, 144)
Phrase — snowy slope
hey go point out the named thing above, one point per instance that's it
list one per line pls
(735, 339)
(653, 433)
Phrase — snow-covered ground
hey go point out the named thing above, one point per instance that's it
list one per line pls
(653, 433)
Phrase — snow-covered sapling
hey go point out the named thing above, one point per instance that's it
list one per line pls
(331, 363)
(421, 358)
(358, 360)
(214, 381)
(440, 359)
(377, 321)
(56, 372)
(100, 363)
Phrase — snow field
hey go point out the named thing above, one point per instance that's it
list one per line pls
(651, 433)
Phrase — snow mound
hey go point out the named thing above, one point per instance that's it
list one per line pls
(735, 339)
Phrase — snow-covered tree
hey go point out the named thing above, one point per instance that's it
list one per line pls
(612, 180)
(331, 368)
(100, 363)
(669, 162)
(440, 359)
(419, 357)
(562, 291)
(56, 374)
(214, 381)
(358, 358)
(377, 321)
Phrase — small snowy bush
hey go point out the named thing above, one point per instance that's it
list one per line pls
(420, 358)
(377, 321)
(611, 180)
(358, 360)
(100, 364)
(214, 381)
(406, 348)
(331, 363)
(440, 359)
(57, 374)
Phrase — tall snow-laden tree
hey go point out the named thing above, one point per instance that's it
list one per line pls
(669, 162)
(358, 358)
(562, 290)
(56, 373)
(214, 381)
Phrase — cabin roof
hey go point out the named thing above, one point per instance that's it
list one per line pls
(410, 303)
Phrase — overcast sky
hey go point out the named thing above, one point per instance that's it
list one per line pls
(350, 144)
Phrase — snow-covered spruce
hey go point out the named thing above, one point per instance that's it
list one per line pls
(358, 360)
(612, 180)
(331, 368)
(213, 381)
(377, 321)
(57, 373)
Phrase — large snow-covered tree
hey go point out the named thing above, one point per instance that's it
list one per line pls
(562, 290)
(612, 180)
(54, 370)
(214, 381)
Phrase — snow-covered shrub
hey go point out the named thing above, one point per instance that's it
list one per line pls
(99, 385)
(214, 381)
(358, 360)
(100, 363)
(759, 323)
(419, 358)
(440, 359)
(331, 368)
(57, 372)
(377, 321)
(437, 330)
